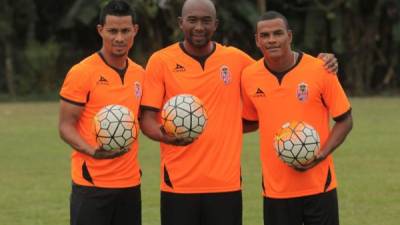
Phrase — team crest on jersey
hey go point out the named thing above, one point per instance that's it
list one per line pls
(225, 75)
(302, 91)
(138, 89)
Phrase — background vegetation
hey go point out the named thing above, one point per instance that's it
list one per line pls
(41, 39)
(35, 179)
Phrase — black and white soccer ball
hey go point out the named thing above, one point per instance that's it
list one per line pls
(184, 116)
(115, 128)
(297, 143)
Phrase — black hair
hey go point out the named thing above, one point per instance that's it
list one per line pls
(270, 15)
(117, 8)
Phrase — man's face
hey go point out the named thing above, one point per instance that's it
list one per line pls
(198, 26)
(118, 33)
(273, 38)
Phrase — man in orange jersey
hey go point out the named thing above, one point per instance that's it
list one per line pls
(201, 181)
(290, 85)
(105, 184)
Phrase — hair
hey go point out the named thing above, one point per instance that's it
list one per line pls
(117, 8)
(270, 15)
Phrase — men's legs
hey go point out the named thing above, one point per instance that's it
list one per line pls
(222, 208)
(322, 209)
(89, 205)
(180, 209)
(283, 211)
(128, 207)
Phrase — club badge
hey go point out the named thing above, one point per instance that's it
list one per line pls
(302, 91)
(138, 89)
(225, 75)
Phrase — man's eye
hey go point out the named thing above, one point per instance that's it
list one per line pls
(191, 20)
(207, 21)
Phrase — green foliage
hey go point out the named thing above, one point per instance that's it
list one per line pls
(396, 32)
(40, 56)
(5, 21)
(364, 35)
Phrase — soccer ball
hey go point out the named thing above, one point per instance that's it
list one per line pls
(297, 143)
(115, 127)
(184, 116)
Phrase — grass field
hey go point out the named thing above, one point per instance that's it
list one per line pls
(35, 181)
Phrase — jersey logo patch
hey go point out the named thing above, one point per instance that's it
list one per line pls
(138, 89)
(102, 80)
(179, 68)
(259, 93)
(302, 92)
(225, 75)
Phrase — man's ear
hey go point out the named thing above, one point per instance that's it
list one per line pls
(256, 40)
(180, 21)
(136, 28)
(99, 29)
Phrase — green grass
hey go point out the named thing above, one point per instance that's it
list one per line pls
(35, 180)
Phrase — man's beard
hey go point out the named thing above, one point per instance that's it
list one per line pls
(201, 44)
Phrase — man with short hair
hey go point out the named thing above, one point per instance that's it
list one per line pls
(200, 179)
(105, 184)
(283, 86)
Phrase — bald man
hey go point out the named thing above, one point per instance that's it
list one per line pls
(200, 179)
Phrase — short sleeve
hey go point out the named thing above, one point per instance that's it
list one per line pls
(334, 96)
(76, 86)
(245, 59)
(249, 111)
(153, 88)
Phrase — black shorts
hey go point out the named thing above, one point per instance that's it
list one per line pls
(201, 209)
(105, 206)
(320, 209)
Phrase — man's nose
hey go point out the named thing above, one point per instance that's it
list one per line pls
(119, 37)
(199, 25)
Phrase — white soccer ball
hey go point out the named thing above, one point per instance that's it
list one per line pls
(115, 127)
(297, 143)
(184, 116)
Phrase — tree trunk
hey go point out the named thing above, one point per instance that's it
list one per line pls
(261, 6)
(9, 71)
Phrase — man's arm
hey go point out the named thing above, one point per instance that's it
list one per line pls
(336, 137)
(68, 118)
(152, 129)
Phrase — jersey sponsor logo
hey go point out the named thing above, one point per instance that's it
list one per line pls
(225, 75)
(179, 68)
(102, 80)
(259, 93)
(302, 92)
(138, 89)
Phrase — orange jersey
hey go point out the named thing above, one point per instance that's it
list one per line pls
(306, 93)
(93, 84)
(212, 162)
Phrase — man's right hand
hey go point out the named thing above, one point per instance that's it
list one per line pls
(172, 140)
(178, 141)
(105, 154)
